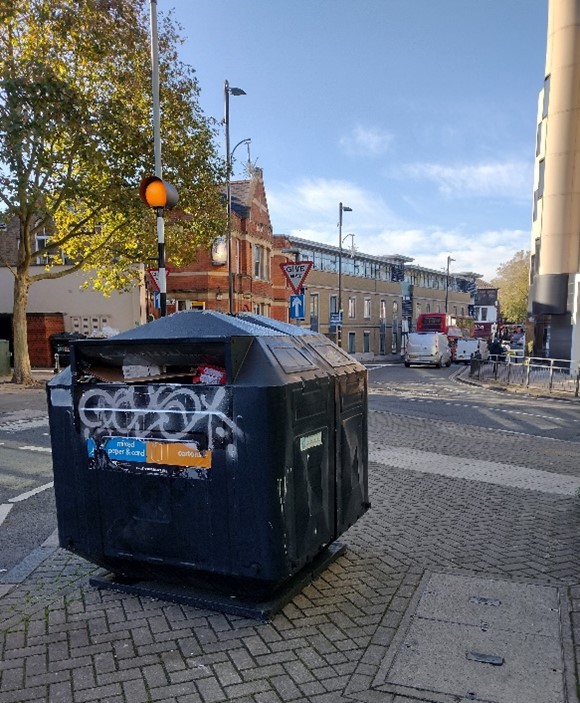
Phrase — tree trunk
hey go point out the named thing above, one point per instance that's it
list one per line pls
(22, 368)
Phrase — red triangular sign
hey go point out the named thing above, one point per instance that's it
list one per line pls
(154, 274)
(296, 273)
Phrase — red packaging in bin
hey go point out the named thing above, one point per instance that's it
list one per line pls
(210, 375)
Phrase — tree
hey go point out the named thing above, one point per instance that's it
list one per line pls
(512, 280)
(76, 138)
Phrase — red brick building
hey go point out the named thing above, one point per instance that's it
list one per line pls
(259, 285)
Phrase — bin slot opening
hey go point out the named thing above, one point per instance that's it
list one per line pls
(158, 362)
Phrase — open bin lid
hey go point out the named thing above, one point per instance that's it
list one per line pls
(204, 347)
(169, 348)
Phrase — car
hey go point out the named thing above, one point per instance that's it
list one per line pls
(427, 348)
(466, 348)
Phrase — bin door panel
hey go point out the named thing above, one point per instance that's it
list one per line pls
(311, 486)
(352, 451)
(155, 520)
(310, 504)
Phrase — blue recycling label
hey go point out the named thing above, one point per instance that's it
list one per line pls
(121, 449)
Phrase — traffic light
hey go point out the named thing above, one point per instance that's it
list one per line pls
(158, 193)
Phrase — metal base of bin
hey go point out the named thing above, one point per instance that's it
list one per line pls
(223, 602)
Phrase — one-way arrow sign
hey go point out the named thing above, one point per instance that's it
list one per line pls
(296, 273)
(297, 307)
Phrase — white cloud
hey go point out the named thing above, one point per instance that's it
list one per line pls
(479, 252)
(314, 203)
(309, 209)
(366, 141)
(509, 179)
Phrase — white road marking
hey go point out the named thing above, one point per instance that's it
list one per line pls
(508, 475)
(31, 448)
(4, 510)
(33, 492)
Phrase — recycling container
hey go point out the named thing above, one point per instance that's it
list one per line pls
(60, 346)
(4, 357)
(204, 446)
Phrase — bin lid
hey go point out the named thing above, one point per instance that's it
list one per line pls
(270, 323)
(195, 324)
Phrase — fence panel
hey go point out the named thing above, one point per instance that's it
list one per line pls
(550, 375)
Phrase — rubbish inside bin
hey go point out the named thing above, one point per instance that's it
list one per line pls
(212, 375)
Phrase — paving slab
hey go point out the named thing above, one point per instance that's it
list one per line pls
(479, 639)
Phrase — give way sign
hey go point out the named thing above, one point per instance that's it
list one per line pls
(296, 273)
(154, 273)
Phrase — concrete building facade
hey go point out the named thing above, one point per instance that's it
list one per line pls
(554, 297)
(382, 296)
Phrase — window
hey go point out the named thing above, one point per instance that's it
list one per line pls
(42, 242)
(333, 302)
(541, 171)
(428, 307)
(314, 312)
(352, 307)
(261, 262)
(366, 342)
(539, 139)
(395, 308)
(462, 311)
(367, 308)
(351, 342)
(383, 309)
(257, 260)
(483, 314)
(546, 101)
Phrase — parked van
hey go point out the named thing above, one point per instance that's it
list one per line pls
(427, 348)
(466, 348)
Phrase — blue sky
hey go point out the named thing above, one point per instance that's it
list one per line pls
(420, 115)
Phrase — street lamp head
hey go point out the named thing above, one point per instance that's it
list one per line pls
(345, 208)
(237, 91)
(243, 141)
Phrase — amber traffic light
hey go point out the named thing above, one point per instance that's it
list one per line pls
(158, 193)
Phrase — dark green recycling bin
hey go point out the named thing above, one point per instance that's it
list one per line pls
(207, 447)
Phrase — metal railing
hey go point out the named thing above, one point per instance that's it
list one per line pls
(551, 375)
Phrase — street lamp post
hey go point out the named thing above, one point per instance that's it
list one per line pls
(341, 208)
(227, 92)
(449, 260)
(160, 222)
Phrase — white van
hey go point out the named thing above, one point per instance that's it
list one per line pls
(466, 348)
(427, 348)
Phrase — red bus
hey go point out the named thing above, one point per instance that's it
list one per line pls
(439, 322)
(443, 322)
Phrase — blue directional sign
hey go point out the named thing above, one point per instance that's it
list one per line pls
(297, 307)
(157, 300)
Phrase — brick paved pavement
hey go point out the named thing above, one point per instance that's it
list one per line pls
(62, 641)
